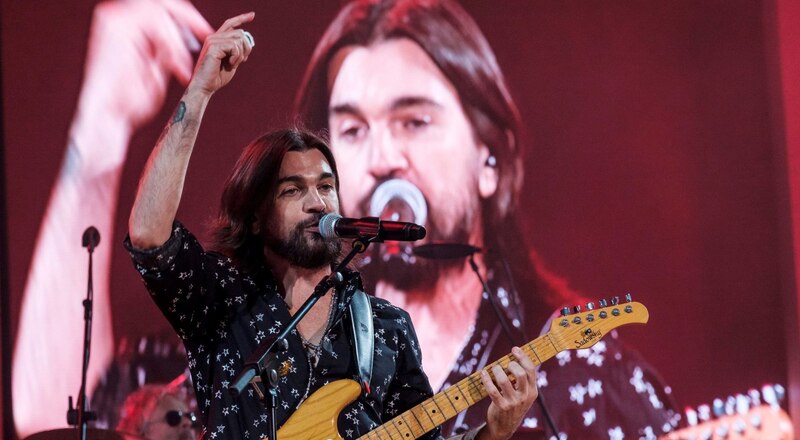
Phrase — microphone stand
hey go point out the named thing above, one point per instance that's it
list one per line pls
(261, 365)
(493, 301)
(80, 414)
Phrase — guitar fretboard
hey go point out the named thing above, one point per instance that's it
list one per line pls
(448, 403)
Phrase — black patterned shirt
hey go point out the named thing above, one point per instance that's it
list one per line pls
(222, 314)
(607, 391)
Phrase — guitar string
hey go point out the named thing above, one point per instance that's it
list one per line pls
(548, 345)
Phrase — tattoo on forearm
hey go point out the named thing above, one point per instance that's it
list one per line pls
(178, 116)
(180, 112)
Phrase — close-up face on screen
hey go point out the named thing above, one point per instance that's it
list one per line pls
(405, 147)
(573, 221)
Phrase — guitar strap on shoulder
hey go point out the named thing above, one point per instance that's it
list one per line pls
(363, 336)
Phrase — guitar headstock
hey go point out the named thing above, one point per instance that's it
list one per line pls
(577, 329)
(751, 416)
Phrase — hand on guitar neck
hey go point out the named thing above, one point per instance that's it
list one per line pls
(512, 390)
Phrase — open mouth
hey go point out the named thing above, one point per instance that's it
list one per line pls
(312, 226)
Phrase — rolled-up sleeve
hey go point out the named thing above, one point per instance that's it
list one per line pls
(180, 277)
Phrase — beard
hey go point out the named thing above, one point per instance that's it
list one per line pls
(309, 251)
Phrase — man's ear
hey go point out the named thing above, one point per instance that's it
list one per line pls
(488, 176)
(255, 224)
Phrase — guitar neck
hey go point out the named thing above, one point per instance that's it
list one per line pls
(448, 403)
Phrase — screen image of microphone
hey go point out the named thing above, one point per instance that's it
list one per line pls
(91, 237)
(335, 226)
(445, 251)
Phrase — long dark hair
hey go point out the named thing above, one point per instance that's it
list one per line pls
(250, 192)
(453, 41)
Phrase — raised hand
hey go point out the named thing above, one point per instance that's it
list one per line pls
(222, 53)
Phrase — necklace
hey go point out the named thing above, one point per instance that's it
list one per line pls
(314, 351)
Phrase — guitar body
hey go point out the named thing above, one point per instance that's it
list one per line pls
(317, 417)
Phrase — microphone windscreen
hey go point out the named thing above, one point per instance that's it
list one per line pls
(91, 237)
(327, 224)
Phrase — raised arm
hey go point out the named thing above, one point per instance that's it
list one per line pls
(162, 182)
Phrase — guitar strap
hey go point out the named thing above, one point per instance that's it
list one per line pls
(363, 336)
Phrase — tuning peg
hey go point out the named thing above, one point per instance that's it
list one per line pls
(718, 407)
(768, 393)
(780, 392)
(590, 306)
(742, 404)
(577, 309)
(739, 426)
(628, 297)
(614, 300)
(691, 416)
(704, 413)
(755, 397)
(756, 421)
(730, 405)
(565, 311)
(603, 303)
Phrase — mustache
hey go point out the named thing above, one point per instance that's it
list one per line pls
(311, 221)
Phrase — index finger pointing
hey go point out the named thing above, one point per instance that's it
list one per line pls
(237, 21)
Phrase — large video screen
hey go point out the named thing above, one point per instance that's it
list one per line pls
(556, 153)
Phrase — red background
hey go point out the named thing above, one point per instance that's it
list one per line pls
(655, 158)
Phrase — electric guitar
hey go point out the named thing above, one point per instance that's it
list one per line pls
(316, 418)
(755, 416)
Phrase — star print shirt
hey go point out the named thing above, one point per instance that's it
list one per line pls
(222, 315)
(607, 391)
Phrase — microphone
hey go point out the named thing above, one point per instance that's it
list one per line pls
(91, 238)
(335, 226)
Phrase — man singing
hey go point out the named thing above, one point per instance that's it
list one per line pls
(425, 130)
(270, 257)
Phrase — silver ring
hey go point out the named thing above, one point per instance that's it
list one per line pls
(249, 37)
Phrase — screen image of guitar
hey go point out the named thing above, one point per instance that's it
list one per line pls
(316, 418)
(756, 415)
